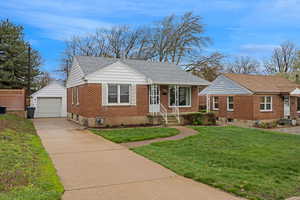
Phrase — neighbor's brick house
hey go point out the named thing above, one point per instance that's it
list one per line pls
(248, 98)
(107, 91)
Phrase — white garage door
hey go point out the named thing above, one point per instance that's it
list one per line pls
(48, 107)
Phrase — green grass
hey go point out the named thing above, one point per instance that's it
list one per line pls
(135, 134)
(26, 171)
(252, 163)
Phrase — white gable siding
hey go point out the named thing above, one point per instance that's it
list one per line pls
(224, 86)
(295, 92)
(52, 90)
(117, 73)
(76, 75)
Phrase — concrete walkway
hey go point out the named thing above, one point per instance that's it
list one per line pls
(92, 168)
(184, 132)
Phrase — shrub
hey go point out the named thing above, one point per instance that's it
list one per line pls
(267, 125)
(200, 118)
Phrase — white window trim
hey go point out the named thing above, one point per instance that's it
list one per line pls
(72, 93)
(214, 108)
(228, 109)
(77, 96)
(298, 111)
(118, 95)
(169, 99)
(265, 103)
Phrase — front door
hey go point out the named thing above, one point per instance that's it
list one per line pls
(286, 106)
(154, 99)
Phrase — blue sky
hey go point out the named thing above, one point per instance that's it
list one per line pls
(237, 27)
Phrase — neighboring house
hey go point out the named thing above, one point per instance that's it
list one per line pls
(108, 91)
(50, 101)
(248, 98)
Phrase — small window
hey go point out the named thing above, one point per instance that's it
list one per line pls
(230, 104)
(112, 93)
(118, 94)
(215, 103)
(298, 104)
(75, 96)
(266, 103)
(124, 93)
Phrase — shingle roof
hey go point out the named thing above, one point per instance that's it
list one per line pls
(263, 83)
(157, 72)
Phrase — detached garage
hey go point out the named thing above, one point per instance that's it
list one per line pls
(50, 101)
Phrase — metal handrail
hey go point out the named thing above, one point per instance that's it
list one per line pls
(164, 113)
(175, 110)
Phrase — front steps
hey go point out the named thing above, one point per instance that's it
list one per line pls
(172, 121)
(158, 119)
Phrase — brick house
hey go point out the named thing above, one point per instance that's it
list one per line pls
(108, 91)
(251, 98)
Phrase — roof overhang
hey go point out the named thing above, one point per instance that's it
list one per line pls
(295, 92)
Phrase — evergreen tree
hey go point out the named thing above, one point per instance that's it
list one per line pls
(14, 57)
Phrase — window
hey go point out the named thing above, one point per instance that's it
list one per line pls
(75, 96)
(180, 96)
(118, 94)
(266, 103)
(230, 103)
(298, 104)
(215, 103)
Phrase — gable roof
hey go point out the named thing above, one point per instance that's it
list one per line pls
(157, 72)
(49, 85)
(224, 86)
(263, 83)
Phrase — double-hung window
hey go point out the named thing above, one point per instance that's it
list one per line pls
(298, 104)
(230, 103)
(266, 103)
(75, 96)
(180, 96)
(118, 94)
(215, 103)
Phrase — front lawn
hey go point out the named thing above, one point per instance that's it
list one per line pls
(135, 134)
(252, 163)
(26, 171)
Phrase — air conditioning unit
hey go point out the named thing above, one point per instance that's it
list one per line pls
(99, 120)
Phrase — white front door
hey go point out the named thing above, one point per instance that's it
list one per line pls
(154, 99)
(286, 106)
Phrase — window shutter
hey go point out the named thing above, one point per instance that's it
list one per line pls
(104, 94)
(133, 94)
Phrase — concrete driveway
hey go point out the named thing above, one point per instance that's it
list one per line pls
(92, 168)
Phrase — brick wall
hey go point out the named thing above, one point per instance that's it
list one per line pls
(243, 107)
(277, 109)
(247, 107)
(13, 99)
(90, 101)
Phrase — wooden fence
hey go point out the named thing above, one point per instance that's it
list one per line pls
(13, 99)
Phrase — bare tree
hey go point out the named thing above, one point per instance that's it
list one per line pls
(243, 65)
(175, 38)
(169, 40)
(207, 67)
(41, 80)
(283, 59)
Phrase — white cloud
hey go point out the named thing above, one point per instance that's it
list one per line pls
(55, 20)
